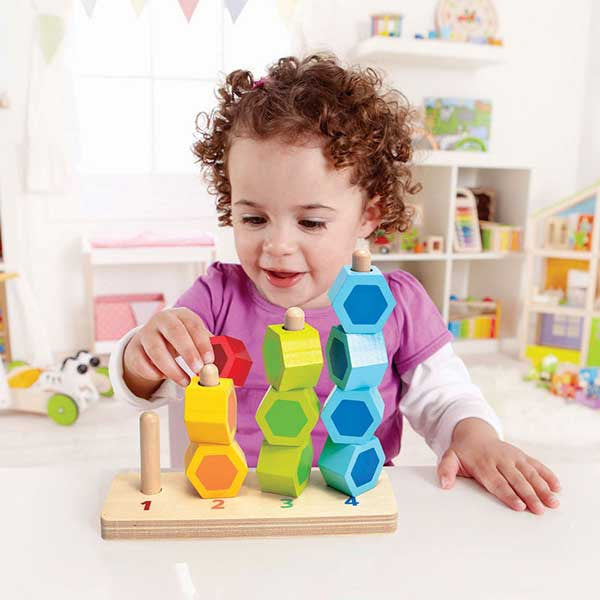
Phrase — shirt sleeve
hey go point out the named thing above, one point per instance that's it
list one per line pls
(167, 392)
(440, 394)
(417, 322)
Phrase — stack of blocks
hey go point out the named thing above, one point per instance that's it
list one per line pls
(214, 462)
(290, 409)
(352, 458)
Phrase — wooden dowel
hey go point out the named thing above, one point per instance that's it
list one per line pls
(294, 319)
(209, 375)
(361, 260)
(150, 453)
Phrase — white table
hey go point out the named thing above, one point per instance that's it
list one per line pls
(449, 544)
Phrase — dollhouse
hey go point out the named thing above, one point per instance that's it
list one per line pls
(562, 309)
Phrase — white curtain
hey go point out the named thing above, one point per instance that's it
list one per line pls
(51, 126)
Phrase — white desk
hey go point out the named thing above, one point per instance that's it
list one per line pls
(456, 544)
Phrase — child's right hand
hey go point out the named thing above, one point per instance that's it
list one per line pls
(149, 357)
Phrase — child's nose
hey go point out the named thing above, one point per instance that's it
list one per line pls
(279, 244)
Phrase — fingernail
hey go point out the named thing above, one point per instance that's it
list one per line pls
(553, 500)
(197, 366)
(208, 357)
(520, 505)
(184, 382)
(445, 482)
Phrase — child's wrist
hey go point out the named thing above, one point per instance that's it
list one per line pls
(472, 427)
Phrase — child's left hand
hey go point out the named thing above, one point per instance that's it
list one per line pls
(505, 471)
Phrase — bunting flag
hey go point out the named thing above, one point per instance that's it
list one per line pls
(286, 10)
(138, 6)
(188, 7)
(235, 7)
(50, 33)
(89, 6)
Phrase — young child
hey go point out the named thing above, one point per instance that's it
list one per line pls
(303, 162)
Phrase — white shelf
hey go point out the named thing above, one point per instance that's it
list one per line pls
(553, 309)
(568, 254)
(412, 256)
(431, 53)
(465, 160)
(150, 255)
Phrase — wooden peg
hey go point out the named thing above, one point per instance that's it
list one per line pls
(209, 375)
(294, 319)
(150, 452)
(361, 260)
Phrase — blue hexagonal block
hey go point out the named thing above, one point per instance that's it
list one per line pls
(356, 360)
(352, 468)
(362, 301)
(351, 417)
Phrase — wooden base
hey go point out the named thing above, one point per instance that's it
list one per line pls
(178, 512)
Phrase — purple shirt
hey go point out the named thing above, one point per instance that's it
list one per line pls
(229, 304)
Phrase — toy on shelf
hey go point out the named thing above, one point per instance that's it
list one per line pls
(352, 458)
(466, 224)
(62, 393)
(434, 244)
(473, 21)
(474, 319)
(384, 242)
(387, 25)
(290, 408)
(496, 237)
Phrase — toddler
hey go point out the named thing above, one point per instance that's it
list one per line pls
(303, 163)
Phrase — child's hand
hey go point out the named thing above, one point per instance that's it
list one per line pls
(149, 357)
(515, 478)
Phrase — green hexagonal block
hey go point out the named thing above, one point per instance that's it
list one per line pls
(287, 418)
(284, 470)
(293, 359)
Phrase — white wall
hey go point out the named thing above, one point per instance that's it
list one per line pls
(538, 101)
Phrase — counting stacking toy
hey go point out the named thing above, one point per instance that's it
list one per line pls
(214, 463)
(290, 408)
(232, 358)
(352, 458)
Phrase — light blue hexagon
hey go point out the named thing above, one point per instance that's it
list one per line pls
(343, 408)
(362, 301)
(352, 468)
(355, 360)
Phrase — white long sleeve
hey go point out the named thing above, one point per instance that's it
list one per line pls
(440, 394)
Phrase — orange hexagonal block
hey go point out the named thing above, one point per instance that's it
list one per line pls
(231, 358)
(210, 412)
(216, 470)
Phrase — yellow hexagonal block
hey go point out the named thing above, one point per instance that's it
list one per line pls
(216, 470)
(293, 359)
(210, 412)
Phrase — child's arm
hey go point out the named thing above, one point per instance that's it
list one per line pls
(444, 406)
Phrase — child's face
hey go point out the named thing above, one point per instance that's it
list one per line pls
(295, 219)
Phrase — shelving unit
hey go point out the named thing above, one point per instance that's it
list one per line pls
(197, 258)
(493, 274)
(432, 53)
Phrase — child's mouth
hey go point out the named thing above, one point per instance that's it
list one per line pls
(283, 279)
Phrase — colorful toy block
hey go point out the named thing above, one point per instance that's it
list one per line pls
(284, 470)
(361, 299)
(352, 468)
(215, 470)
(287, 418)
(351, 417)
(210, 412)
(293, 359)
(232, 358)
(355, 360)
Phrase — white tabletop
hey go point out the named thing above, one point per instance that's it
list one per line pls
(450, 544)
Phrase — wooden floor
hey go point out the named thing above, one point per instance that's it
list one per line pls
(178, 512)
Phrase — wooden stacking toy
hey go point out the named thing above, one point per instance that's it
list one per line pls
(290, 409)
(214, 462)
(352, 458)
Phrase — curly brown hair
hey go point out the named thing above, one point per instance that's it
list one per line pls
(362, 126)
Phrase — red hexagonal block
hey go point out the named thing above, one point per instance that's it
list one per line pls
(231, 358)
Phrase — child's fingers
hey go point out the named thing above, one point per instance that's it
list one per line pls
(156, 349)
(198, 332)
(546, 474)
(538, 483)
(522, 487)
(176, 334)
(495, 483)
(139, 363)
(448, 468)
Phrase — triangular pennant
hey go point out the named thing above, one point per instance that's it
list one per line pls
(188, 7)
(138, 6)
(50, 30)
(235, 7)
(89, 6)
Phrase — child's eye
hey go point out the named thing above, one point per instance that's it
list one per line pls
(311, 224)
(253, 220)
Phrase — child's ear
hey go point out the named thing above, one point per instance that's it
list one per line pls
(370, 218)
